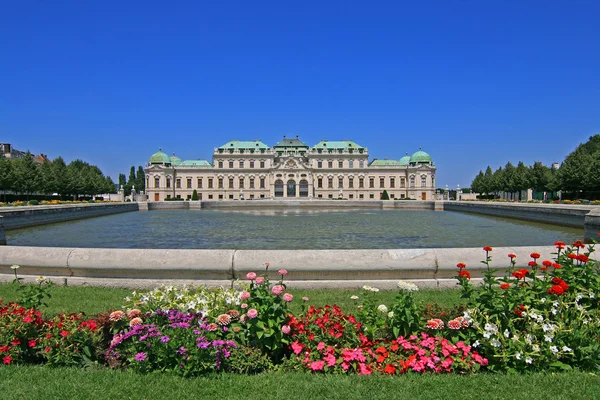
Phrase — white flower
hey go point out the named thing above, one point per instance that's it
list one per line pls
(543, 300)
(566, 349)
(578, 297)
(495, 342)
(476, 344)
(535, 347)
(382, 308)
(518, 355)
(529, 360)
(407, 286)
(592, 295)
(528, 339)
(554, 349)
(554, 311)
(506, 333)
(15, 266)
(354, 297)
(548, 337)
(40, 279)
(391, 314)
(555, 304)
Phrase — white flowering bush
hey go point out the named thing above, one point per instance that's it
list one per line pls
(208, 301)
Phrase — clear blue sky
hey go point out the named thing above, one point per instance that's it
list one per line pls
(472, 82)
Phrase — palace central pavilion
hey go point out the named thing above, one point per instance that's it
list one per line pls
(245, 170)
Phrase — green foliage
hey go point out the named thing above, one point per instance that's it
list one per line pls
(34, 296)
(195, 195)
(248, 360)
(385, 195)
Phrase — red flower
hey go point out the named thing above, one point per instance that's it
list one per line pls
(557, 290)
(519, 310)
(7, 360)
(511, 255)
(4, 349)
(464, 274)
(487, 248)
(559, 245)
(578, 243)
(461, 265)
(520, 274)
(64, 333)
(583, 258)
(547, 263)
(47, 349)
(557, 265)
(532, 263)
(572, 256)
(28, 319)
(389, 369)
(504, 286)
(16, 342)
(535, 255)
(32, 343)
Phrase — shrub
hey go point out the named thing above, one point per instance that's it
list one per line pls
(33, 202)
(195, 195)
(385, 195)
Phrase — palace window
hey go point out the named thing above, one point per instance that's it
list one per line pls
(330, 164)
(199, 183)
(371, 196)
(178, 181)
(251, 183)
(262, 183)
(230, 197)
(319, 164)
(241, 183)
(412, 181)
(220, 183)
(168, 182)
(251, 164)
(210, 183)
(350, 196)
(330, 183)
(350, 182)
(361, 182)
(361, 196)
(220, 164)
(350, 164)
(220, 197)
(361, 164)
(230, 183)
(241, 164)
(189, 183)
(392, 182)
(402, 182)
(156, 182)
(340, 164)
(320, 183)
(381, 181)
(423, 181)
(262, 164)
(230, 164)
(210, 196)
(371, 182)
(340, 182)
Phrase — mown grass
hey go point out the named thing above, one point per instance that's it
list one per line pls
(67, 383)
(92, 300)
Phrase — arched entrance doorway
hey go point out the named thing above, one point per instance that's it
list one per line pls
(291, 188)
(303, 188)
(279, 188)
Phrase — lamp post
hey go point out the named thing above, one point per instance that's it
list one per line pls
(458, 192)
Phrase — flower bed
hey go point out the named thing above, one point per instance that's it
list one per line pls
(544, 317)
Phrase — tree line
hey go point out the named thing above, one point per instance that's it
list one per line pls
(135, 179)
(23, 176)
(578, 176)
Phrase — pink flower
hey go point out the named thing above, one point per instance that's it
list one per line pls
(345, 366)
(297, 347)
(321, 346)
(244, 305)
(277, 290)
(288, 297)
(251, 276)
(282, 272)
(330, 359)
(364, 369)
(317, 365)
(245, 296)
(252, 313)
(260, 280)
(286, 329)
(305, 298)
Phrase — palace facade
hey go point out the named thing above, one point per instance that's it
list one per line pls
(246, 170)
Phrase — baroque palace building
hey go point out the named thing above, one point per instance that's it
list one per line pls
(246, 170)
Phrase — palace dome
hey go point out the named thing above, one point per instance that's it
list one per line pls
(175, 160)
(420, 157)
(160, 158)
(405, 160)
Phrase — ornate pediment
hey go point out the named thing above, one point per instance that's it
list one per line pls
(290, 163)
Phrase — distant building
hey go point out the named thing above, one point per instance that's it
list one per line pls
(290, 169)
(7, 151)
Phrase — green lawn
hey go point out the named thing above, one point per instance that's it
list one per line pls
(92, 300)
(64, 383)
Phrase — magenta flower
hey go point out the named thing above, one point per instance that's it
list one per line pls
(251, 276)
(140, 356)
(317, 365)
(252, 313)
(277, 290)
(288, 297)
(165, 339)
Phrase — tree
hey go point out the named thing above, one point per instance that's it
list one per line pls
(122, 181)
(6, 175)
(478, 183)
(498, 181)
(521, 178)
(140, 179)
(130, 182)
(59, 176)
(109, 185)
(25, 175)
(195, 195)
(539, 177)
(385, 195)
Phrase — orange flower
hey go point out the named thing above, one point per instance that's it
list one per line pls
(464, 274)
(504, 286)
(535, 255)
(389, 369)
(547, 263)
(461, 265)
(487, 248)
(511, 255)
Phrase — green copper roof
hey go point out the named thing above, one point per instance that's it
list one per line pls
(420, 157)
(195, 163)
(295, 142)
(405, 160)
(337, 145)
(160, 158)
(175, 160)
(245, 145)
(385, 163)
